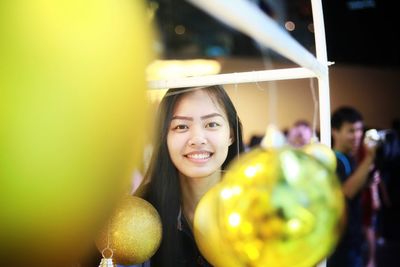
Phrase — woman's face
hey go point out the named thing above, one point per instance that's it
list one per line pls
(199, 135)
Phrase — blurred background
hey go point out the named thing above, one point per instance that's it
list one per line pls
(362, 38)
(362, 41)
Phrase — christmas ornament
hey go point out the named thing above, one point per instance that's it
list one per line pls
(207, 231)
(133, 232)
(73, 95)
(275, 207)
(323, 153)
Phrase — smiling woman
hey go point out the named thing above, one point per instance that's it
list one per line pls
(198, 133)
(199, 136)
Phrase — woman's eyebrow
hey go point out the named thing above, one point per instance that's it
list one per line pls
(211, 115)
(191, 118)
(182, 118)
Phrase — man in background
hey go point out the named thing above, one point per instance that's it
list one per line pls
(347, 132)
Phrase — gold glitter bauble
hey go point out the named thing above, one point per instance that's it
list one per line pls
(133, 233)
(275, 207)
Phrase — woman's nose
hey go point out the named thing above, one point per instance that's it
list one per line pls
(197, 137)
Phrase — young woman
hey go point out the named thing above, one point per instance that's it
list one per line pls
(198, 133)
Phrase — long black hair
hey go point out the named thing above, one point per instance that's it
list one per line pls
(161, 182)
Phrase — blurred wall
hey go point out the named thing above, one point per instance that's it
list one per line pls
(374, 91)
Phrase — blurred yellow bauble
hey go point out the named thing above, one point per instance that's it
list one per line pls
(322, 153)
(133, 232)
(72, 121)
(207, 234)
(278, 207)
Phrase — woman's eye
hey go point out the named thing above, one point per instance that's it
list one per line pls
(180, 127)
(212, 125)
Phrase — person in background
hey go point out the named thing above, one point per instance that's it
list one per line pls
(198, 134)
(388, 230)
(347, 132)
(299, 134)
(255, 141)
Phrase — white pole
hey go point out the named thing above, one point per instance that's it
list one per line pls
(251, 20)
(323, 80)
(233, 78)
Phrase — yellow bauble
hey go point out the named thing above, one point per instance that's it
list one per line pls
(133, 232)
(207, 232)
(280, 207)
(72, 121)
(322, 153)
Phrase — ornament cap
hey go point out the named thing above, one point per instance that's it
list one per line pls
(273, 138)
(107, 262)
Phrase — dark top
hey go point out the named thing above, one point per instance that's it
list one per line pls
(349, 249)
(191, 255)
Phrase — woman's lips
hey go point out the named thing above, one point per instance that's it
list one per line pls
(199, 156)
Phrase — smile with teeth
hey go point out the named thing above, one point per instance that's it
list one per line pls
(202, 155)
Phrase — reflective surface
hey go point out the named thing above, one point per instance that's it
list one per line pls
(276, 207)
